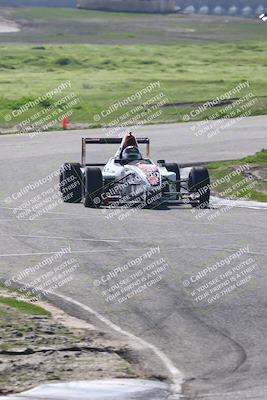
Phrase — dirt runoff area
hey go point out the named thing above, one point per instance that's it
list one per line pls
(41, 344)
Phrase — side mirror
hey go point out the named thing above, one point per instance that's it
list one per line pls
(118, 161)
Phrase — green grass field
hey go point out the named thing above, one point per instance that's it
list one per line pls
(195, 59)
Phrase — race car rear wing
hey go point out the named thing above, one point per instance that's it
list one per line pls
(86, 141)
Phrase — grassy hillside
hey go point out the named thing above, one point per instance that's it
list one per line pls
(195, 59)
(48, 25)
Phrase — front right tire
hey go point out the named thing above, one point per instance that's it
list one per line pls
(199, 182)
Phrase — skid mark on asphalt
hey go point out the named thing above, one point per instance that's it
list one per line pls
(240, 350)
(55, 252)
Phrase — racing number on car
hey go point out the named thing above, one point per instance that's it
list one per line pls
(153, 177)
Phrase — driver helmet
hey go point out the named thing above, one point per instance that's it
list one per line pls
(131, 153)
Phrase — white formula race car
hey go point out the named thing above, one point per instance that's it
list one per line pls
(130, 179)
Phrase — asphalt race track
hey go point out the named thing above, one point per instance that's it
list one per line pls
(219, 348)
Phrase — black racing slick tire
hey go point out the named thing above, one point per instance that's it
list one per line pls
(61, 180)
(173, 167)
(199, 182)
(93, 187)
(70, 181)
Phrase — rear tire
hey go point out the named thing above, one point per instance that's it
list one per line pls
(93, 187)
(70, 181)
(199, 182)
(173, 167)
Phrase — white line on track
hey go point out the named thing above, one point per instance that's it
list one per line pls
(62, 238)
(48, 212)
(131, 249)
(46, 219)
(175, 374)
(55, 252)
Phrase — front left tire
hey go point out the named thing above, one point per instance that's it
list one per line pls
(93, 187)
(70, 181)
